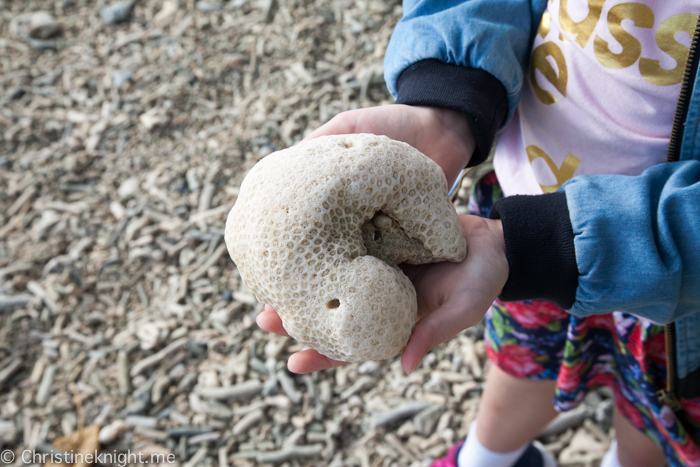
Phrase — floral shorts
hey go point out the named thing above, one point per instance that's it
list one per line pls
(538, 340)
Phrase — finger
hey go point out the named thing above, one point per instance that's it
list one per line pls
(269, 320)
(341, 124)
(434, 329)
(308, 361)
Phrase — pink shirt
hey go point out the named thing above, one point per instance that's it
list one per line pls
(601, 94)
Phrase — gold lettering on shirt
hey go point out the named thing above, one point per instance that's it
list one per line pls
(562, 174)
(582, 29)
(543, 30)
(651, 70)
(642, 16)
(557, 79)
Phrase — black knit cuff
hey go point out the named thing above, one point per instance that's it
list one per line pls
(476, 93)
(539, 248)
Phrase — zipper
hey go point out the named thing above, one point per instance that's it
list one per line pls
(668, 395)
(458, 183)
(691, 68)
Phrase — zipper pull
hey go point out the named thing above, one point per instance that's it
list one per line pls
(668, 398)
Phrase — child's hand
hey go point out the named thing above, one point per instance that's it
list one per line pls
(451, 297)
(441, 134)
(455, 296)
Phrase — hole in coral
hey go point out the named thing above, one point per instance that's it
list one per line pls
(347, 144)
(335, 303)
(377, 235)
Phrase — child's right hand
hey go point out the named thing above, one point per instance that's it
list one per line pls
(441, 134)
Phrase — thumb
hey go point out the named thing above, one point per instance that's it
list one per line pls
(434, 329)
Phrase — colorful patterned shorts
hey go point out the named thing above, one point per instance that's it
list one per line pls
(537, 340)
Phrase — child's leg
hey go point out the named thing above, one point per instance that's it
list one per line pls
(513, 410)
(634, 449)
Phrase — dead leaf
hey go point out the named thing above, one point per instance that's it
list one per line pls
(82, 445)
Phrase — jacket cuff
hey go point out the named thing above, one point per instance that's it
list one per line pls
(539, 247)
(474, 92)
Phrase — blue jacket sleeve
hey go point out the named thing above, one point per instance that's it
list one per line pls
(637, 242)
(490, 35)
(609, 242)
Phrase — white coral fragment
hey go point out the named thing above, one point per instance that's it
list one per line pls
(318, 230)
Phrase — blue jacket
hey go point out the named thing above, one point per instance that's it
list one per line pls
(635, 248)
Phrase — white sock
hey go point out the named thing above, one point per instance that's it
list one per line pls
(474, 454)
(610, 458)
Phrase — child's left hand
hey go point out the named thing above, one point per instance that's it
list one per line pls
(451, 297)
